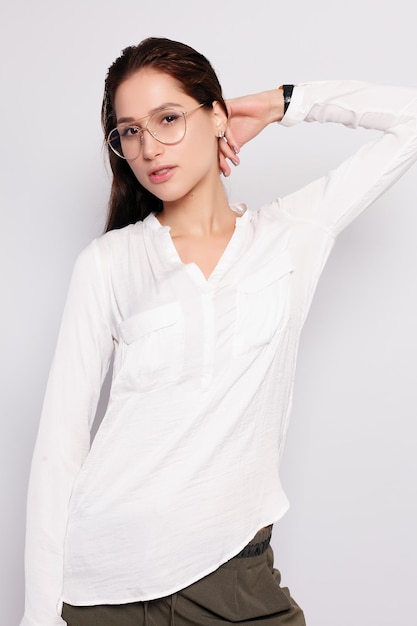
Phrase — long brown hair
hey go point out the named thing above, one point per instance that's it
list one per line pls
(129, 200)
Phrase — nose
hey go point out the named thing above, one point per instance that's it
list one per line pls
(151, 147)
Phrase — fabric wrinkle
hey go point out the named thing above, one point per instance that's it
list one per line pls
(173, 605)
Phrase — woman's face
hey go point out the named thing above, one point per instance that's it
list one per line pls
(169, 171)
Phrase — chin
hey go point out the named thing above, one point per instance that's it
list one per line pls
(170, 195)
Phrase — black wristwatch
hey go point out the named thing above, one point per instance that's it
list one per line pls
(287, 90)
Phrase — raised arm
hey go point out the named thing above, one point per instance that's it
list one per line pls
(337, 198)
(340, 196)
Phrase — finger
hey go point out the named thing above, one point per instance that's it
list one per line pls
(223, 165)
(227, 151)
(231, 141)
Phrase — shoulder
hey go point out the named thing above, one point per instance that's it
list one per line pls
(118, 237)
(114, 240)
(102, 251)
(270, 214)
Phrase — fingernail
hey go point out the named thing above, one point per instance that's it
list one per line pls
(235, 150)
(234, 162)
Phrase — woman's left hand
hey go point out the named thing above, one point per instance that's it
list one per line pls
(248, 116)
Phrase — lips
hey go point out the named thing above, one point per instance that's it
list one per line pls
(161, 174)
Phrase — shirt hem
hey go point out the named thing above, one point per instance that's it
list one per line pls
(176, 588)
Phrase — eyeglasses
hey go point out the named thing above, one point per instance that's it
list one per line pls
(167, 126)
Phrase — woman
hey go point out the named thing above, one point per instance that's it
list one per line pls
(167, 518)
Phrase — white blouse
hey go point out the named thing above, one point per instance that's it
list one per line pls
(185, 466)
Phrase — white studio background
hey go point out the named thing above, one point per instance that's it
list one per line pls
(347, 547)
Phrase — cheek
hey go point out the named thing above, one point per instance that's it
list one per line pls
(139, 169)
(203, 152)
(195, 155)
(138, 172)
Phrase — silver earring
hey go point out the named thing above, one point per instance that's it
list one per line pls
(220, 134)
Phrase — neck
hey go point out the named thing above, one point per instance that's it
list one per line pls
(201, 213)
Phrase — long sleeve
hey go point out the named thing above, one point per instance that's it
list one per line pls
(79, 366)
(336, 199)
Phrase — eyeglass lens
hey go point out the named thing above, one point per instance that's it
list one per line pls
(167, 126)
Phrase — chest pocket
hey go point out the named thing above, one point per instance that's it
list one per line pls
(262, 306)
(153, 347)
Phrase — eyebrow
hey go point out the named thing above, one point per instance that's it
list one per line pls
(165, 105)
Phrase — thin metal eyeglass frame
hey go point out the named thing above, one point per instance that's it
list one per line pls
(142, 130)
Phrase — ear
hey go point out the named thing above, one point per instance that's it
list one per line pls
(219, 118)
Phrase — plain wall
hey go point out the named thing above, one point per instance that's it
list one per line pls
(347, 547)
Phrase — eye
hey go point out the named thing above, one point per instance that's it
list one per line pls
(128, 131)
(168, 118)
(172, 117)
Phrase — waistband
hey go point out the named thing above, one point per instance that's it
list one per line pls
(257, 545)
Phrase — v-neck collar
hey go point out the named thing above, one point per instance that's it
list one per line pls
(169, 252)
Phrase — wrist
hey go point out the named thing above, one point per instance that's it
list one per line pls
(276, 105)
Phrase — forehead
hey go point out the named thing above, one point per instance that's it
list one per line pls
(147, 90)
